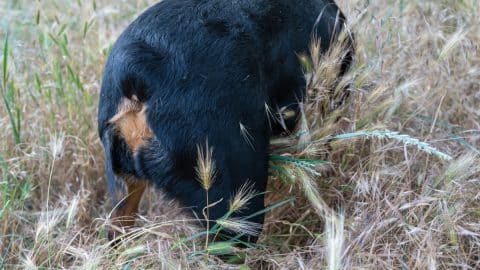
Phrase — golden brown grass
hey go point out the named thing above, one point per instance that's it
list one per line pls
(373, 199)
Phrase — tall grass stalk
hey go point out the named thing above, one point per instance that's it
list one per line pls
(206, 176)
(9, 96)
(408, 140)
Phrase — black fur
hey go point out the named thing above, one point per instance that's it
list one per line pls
(203, 68)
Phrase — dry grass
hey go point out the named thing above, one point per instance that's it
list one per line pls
(370, 199)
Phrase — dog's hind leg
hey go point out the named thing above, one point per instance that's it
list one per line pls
(126, 209)
(125, 189)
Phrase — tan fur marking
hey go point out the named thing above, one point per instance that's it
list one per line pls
(124, 215)
(129, 210)
(131, 123)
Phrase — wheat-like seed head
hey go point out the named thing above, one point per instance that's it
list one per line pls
(205, 166)
(238, 225)
(241, 198)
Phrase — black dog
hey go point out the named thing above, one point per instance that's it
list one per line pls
(191, 71)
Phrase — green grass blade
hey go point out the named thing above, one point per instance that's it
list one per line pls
(5, 62)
